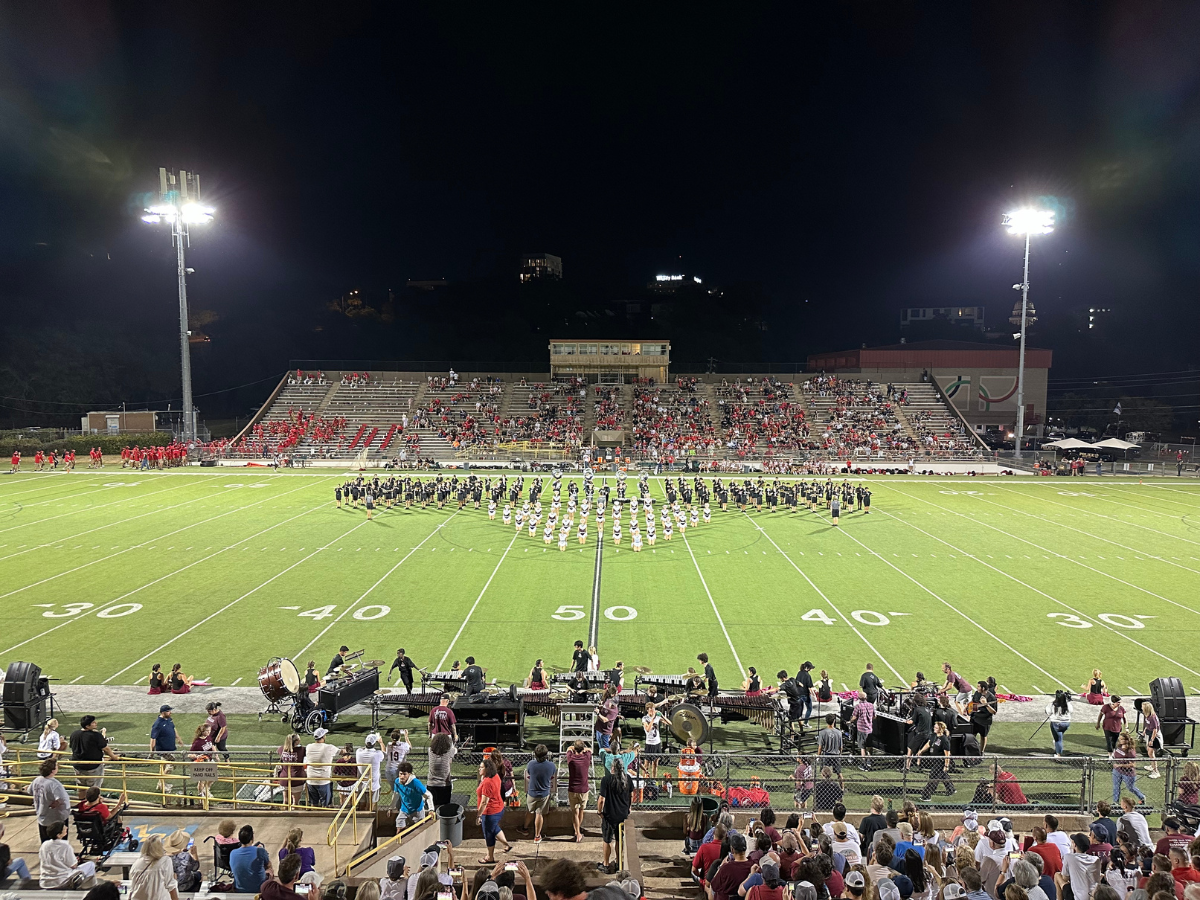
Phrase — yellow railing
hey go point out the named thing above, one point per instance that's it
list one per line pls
(395, 841)
(348, 812)
(161, 782)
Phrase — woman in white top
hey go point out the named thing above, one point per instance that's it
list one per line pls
(50, 741)
(593, 660)
(57, 862)
(1058, 713)
(153, 875)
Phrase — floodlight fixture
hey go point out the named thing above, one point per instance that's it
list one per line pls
(178, 204)
(1026, 221)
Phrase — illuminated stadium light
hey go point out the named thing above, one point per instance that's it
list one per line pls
(1026, 221)
(178, 205)
(1029, 221)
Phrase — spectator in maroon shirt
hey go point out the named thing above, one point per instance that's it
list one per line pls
(708, 853)
(442, 721)
(1112, 719)
(732, 872)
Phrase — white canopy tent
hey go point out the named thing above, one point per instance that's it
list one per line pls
(1068, 444)
(1115, 444)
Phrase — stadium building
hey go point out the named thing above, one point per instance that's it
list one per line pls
(978, 381)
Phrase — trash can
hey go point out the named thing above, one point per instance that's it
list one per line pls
(450, 823)
(710, 805)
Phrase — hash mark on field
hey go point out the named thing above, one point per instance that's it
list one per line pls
(77, 678)
(235, 684)
(1036, 689)
(1132, 690)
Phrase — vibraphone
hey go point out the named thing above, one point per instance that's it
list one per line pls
(759, 709)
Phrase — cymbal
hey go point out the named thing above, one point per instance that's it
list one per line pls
(558, 670)
(373, 662)
(643, 670)
(382, 691)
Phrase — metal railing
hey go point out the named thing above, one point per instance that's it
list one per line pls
(164, 780)
(990, 782)
(347, 813)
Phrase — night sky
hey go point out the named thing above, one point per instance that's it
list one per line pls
(823, 164)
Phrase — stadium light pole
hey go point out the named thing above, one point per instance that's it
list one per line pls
(1027, 222)
(178, 205)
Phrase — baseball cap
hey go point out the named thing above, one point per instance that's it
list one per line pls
(429, 858)
(737, 843)
(489, 890)
(769, 869)
(373, 740)
(970, 819)
(888, 890)
(855, 881)
(997, 836)
(320, 733)
(839, 829)
(166, 707)
(903, 884)
(953, 891)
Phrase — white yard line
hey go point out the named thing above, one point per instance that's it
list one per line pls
(594, 624)
(62, 497)
(716, 612)
(849, 622)
(471, 611)
(151, 540)
(109, 603)
(1112, 518)
(130, 498)
(300, 653)
(1052, 599)
(1136, 587)
(1157, 499)
(946, 603)
(80, 534)
(234, 603)
(237, 681)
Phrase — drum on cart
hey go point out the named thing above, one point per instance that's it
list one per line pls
(279, 679)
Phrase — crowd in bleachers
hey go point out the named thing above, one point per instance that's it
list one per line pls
(937, 431)
(271, 438)
(859, 418)
(610, 415)
(555, 414)
(672, 422)
(356, 379)
(760, 417)
(302, 377)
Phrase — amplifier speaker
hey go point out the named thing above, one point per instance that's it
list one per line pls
(495, 722)
(1170, 702)
(1172, 734)
(22, 684)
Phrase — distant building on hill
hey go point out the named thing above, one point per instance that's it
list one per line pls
(969, 316)
(541, 265)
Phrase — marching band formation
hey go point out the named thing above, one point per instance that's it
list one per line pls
(682, 503)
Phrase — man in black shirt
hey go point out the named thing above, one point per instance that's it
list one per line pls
(804, 680)
(578, 686)
(710, 678)
(579, 659)
(338, 662)
(871, 824)
(791, 690)
(870, 683)
(920, 721)
(405, 665)
(89, 747)
(474, 676)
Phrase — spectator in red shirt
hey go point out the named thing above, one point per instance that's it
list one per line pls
(1050, 854)
(1181, 869)
(708, 854)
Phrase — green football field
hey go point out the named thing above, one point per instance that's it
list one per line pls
(1034, 581)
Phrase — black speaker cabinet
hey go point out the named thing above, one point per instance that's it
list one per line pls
(1170, 702)
(21, 688)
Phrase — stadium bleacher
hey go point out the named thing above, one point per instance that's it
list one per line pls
(406, 416)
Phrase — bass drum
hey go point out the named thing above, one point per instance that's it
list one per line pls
(688, 723)
(278, 679)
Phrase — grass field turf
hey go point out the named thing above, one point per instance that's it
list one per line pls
(1033, 581)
